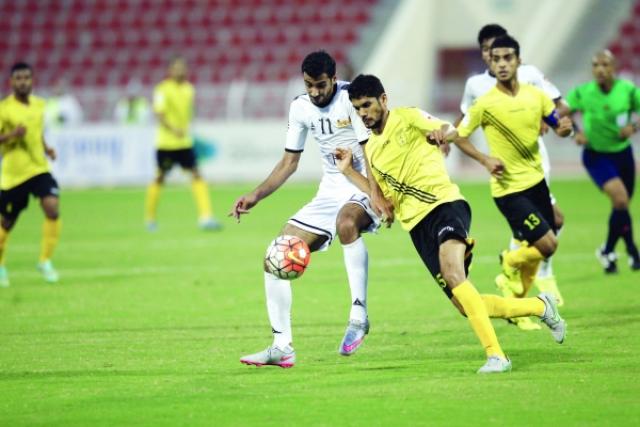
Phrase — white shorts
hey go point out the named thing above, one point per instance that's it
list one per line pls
(320, 214)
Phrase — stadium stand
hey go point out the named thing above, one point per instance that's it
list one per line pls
(98, 44)
(626, 46)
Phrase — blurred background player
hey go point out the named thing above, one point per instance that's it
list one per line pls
(25, 169)
(339, 207)
(173, 101)
(607, 105)
(510, 114)
(477, 86)
(133, 108)
(62, 108)
(411, 174)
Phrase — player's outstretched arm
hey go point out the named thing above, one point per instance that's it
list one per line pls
(278, 176)
(493, 165)
(344, 163)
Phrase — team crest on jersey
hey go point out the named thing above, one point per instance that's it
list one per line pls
(343, 123)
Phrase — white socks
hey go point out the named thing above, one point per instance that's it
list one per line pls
(279, 308)
(356, 260)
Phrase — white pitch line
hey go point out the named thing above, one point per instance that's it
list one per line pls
(97, 272)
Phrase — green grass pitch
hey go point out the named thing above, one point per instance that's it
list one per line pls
(147, 329)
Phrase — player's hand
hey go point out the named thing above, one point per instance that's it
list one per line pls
(344, 158)
(565, 127)
(382, 207)
(445, 149)
(51, 152)
(19, 131)
(544, 128)
(626, 131)
(494, 166)
(242, 206)
(437, 137)
(580, 138)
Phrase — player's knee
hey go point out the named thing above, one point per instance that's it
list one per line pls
(53, 214)
(452, 274)
(620, 202)
(548, 245)
(347, 228)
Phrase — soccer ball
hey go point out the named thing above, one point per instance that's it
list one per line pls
(287, 257)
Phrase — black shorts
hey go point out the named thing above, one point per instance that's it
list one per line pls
(447, 221)
(16, 199)
(167, 159)
(529, 212)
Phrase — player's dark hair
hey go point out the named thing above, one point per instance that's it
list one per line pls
(490, 31)
(365, 86)
(507, 41)
(19, 66)
(317, 63)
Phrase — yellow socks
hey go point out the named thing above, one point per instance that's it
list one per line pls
(523, 255)
(527, 259)
(50, 235)
(507, 308)
(201, 194)
(151, 202)
(474, 307)
(4, 236)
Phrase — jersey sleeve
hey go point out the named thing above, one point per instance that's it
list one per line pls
(361, 131)
(542, 83)
(159, 100)
(548, 106)
(574, 100)
(296, 131)
(424, 121)
(635, 99)
(472, 119)
(467, 98)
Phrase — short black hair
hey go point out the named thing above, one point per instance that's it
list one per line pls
(490, 31)
(19, 66)
(507, 41)
(365, 86)
(317, 63)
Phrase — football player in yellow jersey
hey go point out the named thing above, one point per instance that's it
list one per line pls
(173, 100)
(407, 179)
(510, 114)
(25, 169)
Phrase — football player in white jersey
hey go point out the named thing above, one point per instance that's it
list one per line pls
(339, 207)
(477, 86)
